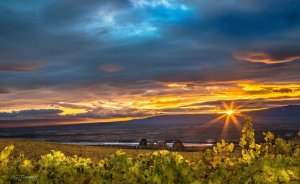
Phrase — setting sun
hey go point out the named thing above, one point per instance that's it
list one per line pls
(229, 112)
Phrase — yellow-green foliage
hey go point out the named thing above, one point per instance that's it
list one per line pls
(32, 150)
(273, 161)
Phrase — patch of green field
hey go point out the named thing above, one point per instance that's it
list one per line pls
(34, 149)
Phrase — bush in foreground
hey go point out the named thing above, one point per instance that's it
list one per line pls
(273, 161)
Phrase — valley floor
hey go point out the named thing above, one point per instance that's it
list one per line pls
(34, 149)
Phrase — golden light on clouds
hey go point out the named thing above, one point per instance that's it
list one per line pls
(261, 57)
(71, 111)
(169, 98)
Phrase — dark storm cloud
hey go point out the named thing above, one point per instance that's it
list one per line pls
(60, 33)
(30, 114)
(93, 47)
(239, 71)
(54, 114)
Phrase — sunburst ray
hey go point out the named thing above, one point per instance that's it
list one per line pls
(231, 113)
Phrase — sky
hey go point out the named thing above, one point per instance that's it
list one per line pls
(83, 61)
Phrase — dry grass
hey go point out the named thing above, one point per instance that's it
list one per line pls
(34, 149)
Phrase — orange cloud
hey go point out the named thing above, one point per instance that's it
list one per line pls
(262, 57)
(167, 98)
(110, 68)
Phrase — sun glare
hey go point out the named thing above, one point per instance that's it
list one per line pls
(229, 112)
(230, 117)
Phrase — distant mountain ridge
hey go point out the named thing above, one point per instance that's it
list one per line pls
(290, 110)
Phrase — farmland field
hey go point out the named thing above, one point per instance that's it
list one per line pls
(34, 149)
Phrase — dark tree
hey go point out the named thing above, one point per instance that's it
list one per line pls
(143, 142)
(178, 145)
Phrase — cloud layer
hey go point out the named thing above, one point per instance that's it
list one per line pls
(261, 57)
(101, 60)
(19, 67)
